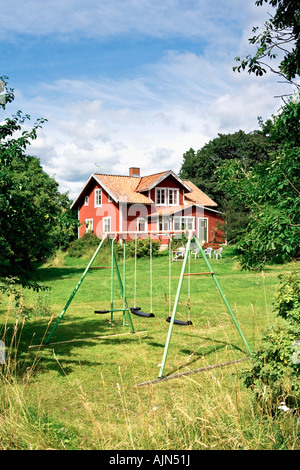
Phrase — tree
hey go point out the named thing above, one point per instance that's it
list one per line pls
(201, 168)
(271, 193)
(34, 216)
(280, 36)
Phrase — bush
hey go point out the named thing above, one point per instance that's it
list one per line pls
(83, 245)
(275, 373)
(142, 248)
(287, 299)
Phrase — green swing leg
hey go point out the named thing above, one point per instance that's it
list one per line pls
(74, 291)
(224, 297)
(127, 310)
(177, 300)
(112, 284)
(172, 319)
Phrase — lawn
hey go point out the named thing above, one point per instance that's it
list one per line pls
(83, 394)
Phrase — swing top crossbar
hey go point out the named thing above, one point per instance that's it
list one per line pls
(150, 232)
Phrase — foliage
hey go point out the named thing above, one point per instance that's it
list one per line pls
(281, 35)
(287, 299)
(34, 217)
(274, 376)
(200, 167)
(283, 129)
(83, 245)
(140, 248)
(269, 191)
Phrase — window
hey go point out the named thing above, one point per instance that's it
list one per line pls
(89, 225)
(163, 224)
(173, 197)
(183, 223)
(98, 197)
(106, 224)
(110, 199)
(160, 196)
(86, 201)
(141, 225)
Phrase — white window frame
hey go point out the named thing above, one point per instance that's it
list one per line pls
(86, 201)
(110, 199)
(199, 220)
(158, 192)
(183, 221)
(106, 220)
(174, 192)
(165, 222)
(139, 220)
(98, 195)
(89, 225)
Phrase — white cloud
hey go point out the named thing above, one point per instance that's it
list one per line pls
(102, 19)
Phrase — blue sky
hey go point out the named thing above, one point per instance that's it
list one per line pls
(130, 82)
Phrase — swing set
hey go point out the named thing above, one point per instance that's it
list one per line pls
(137, 311)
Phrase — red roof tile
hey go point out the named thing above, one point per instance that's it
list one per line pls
(197, 196)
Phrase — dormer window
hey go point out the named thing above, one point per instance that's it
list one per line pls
(160, 196)
(166, 197)
(173, 197)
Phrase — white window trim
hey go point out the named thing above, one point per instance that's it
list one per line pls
(86, 200)
(97, 191)
(165, 219)
(105, 219)
(198, 231)
(184, 217)
(166, 196)
(175, 191)
(141, 219)
(87, 223)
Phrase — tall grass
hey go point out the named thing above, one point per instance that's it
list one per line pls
(211, 411)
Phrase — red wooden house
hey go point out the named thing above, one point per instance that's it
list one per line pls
(135, 203)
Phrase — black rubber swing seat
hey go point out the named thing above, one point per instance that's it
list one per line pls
(101, 311)
(179, 322)
(137, 311)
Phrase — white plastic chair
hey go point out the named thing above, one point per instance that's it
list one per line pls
(208, 252)
(218, 253)
(195, 252)
(179, 253)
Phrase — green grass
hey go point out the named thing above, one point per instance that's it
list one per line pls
(83, 394)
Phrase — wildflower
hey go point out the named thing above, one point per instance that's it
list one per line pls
(283, 407)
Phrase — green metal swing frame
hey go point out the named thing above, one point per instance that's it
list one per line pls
(127, 311)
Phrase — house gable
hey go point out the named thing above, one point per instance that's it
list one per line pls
(149, 182)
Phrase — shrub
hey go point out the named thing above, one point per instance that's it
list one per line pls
(275, 373)
(83, 245)
(142, 248)
(287, 299)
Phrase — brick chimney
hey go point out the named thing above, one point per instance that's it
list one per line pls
(133, 171)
